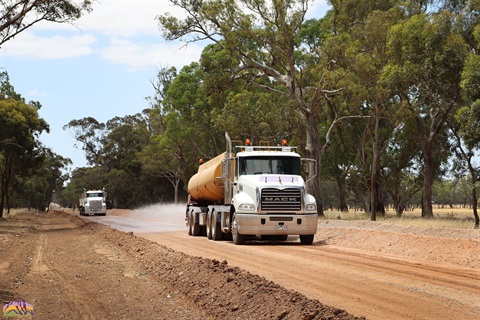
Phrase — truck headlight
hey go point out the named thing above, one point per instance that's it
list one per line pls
(247, 207)
(311, 207)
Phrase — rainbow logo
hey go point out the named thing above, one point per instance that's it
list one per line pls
(18, 309)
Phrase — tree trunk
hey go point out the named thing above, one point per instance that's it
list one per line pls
(177, 183)
(374, 173)
(379, 204)
(473, 178)
(396, 195)
(314, 151)
(475, 212)
(342, 194)
(427, 210)
(6, 176)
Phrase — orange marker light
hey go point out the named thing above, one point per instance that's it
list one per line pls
(248, 141)
(284, 142)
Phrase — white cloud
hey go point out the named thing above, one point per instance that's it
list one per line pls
(140, 55)
(133, 36)
(28, 45)
(120, 18)
(37, 93)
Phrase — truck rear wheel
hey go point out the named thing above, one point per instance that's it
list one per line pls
(236, 237)
(209, 225)
(195, 225)
(189, 223)
(306, 239)
(215, 227)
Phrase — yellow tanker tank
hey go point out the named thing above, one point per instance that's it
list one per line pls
(206, 183)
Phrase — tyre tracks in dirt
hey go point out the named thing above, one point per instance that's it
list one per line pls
(71, 300)
(58, 264)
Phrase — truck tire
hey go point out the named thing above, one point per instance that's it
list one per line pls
(216, 228)
(237, 238)
(208, 227)
(306, 238)
(196, 230)
(189, 223)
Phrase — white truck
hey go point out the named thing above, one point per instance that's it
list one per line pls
(93, 202)
(252, 192)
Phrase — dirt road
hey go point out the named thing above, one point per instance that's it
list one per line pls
(363, 283)
(71, 269)
(368, 269)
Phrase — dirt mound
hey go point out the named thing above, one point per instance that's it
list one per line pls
(218, 289)
(455, 247)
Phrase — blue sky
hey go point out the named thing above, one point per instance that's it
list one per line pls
(100, 67)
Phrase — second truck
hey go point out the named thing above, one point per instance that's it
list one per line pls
(252, 192)
(93, 202)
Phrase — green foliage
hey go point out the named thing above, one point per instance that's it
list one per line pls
(18, 15)
(29, 172)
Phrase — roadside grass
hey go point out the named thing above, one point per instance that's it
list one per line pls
(456, 217)
(15, 211)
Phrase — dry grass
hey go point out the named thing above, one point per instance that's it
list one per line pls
(14, 211)
(457, 217)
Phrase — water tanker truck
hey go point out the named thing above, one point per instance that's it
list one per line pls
(93, 202)
(252, 193)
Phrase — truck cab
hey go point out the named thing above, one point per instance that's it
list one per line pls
(269, 195)
(93, 202)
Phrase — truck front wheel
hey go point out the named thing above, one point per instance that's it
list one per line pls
(216, 229)
(306, 239)
(236, 237)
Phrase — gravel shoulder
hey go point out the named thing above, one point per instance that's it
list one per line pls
(439, 246)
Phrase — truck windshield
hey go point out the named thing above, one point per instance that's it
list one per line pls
(270, 165)
(93, 195)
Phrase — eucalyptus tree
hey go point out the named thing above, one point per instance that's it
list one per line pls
(262, 36)
(466, 124)
(91, 135)
(401, 165)
(358, 47)
(126, 137)
(42, 177)
(18, 15)
(426, 58)
(240, 108)
(189, 132)
(157, 111)
(81, 179)
(20, 128)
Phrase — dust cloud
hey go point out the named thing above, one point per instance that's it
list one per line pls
(160, 217)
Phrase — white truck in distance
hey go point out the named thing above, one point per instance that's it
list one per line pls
(252, 192)
(93, 202)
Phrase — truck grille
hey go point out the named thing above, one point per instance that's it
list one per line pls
(95, 204)
(273, 199)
